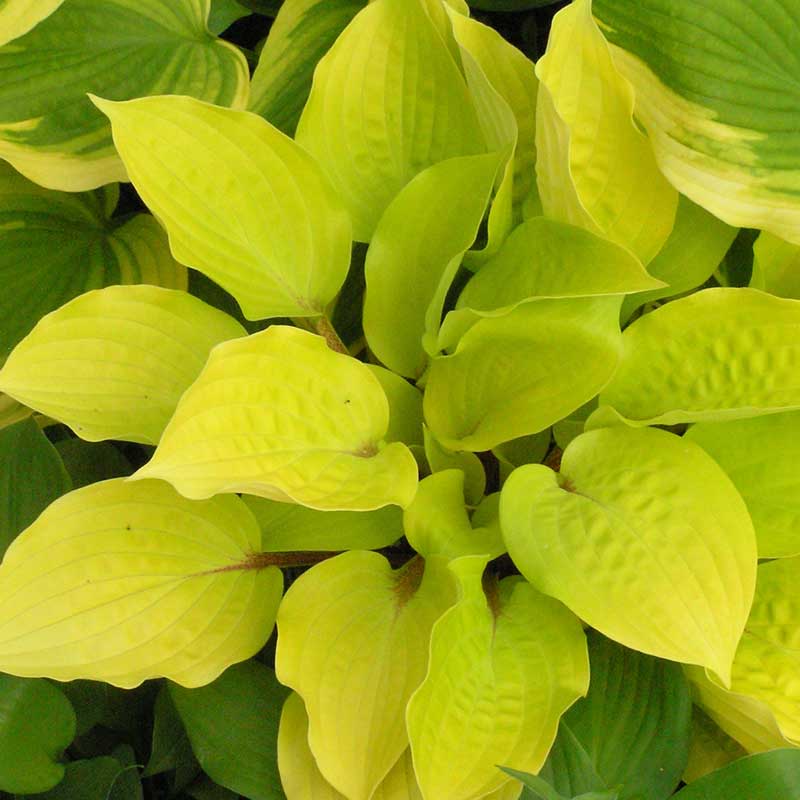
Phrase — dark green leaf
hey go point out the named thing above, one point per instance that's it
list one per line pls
(630, 733)
(36, 724)
(774, 775)
(90, 701)
(171, 749)
(31, 477)
(510, 5)
(233, 726)
(88, 779)
(90, 462)
(224, 13)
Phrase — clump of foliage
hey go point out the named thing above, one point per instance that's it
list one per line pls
(421, 421)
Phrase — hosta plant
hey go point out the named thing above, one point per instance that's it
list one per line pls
(402, 407)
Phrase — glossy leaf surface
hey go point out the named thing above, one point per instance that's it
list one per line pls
(317, 439)
(644, 537)
(214, 216)
(496, 685)
(51, 132)
(113, 363)
(349, 636)
(136, 584)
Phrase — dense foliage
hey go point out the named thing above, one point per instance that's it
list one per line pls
(415, 418)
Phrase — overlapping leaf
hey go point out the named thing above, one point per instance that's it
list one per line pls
(17, 17)
(54, 246)
(644, 537)
(595, 168)
(415, 252)
(718, 89)
(113, 362)
(388, 100)
(760, 456)
(776, 266)
(301, 34)
(351, 634)
(316, 439)
(717, 354)
(517, 374)
(215, 214)
(503, 668)
(121, 49)
(123, 581)
(709, 748)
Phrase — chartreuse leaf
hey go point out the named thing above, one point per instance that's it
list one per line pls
(630, 734)
(512, 75)
(55, 245)
(405, 407)
(317, 438)
(113, 362)
(545, 258)
(51, 132)
(766, 663)
(123, 581)
(414, 254)
(349, 634)
(388, 100)
(718, 354)
(717, 88)
(31, 476)
(746, 719)
(36, 724)
(760, 456)
(595, 168)
(644, 537)
(440, 458)
(694, 249)
(239, 756)
(17, 17)
(215, 217)
(504, 665)
(517, 374)
(709, 748)
(436, 522)
(539, 789)
(776, 266)
(287, 527)
(300, 774)
(767, 776)
(302, 33)
(11, 411)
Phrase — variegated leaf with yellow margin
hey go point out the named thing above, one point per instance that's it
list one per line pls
(352, 636)
(122, 582)
(387, 101)
(644, 537)
(505, 663)
(281, 415)
(119, 49)
(595, 168)
(17, 17)
(57, 245)
(113, 363)
(717, 87)
(718, 354)
(214, 211)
